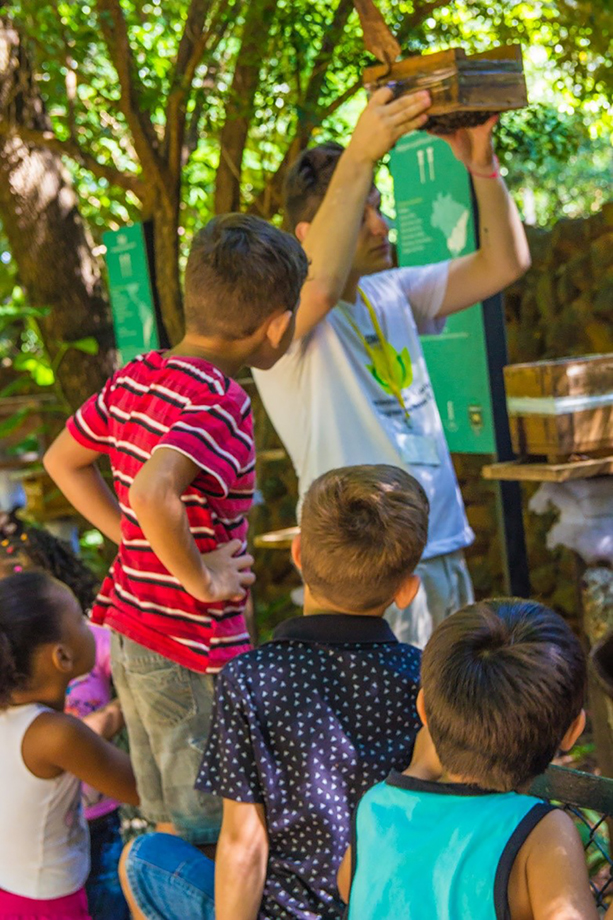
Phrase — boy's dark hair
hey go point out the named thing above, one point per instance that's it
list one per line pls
(43, 550)
(363, 530)
(239, 272)
(30, 616)
(307, 182)
(503, 681)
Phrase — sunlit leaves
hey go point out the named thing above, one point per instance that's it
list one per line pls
(567, 46)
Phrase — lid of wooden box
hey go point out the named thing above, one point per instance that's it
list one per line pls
(497, 73)
(587, 375)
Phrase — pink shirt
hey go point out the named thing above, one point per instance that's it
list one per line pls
(87, 694)
(187, 405)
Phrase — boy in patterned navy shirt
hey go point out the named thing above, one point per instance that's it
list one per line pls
(178, 431)
(306, 724)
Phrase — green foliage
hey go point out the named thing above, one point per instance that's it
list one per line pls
(82, 94)
(555, 163)
(26, 361)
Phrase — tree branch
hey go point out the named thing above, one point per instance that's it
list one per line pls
(70, 148)
(175, 107)
(418, 15)
(270, 199)
(192, 47)
(241, 103)
(311, 115)
(326, 52)
(113, 25)
(340, 100)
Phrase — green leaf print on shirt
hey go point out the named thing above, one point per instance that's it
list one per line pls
(393, 370)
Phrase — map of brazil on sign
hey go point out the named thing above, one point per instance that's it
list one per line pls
(434, 220)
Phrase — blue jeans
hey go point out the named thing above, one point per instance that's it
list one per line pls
(170, 879)
(104, 895)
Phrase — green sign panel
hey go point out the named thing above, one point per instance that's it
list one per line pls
(434, 219)
(130, 291)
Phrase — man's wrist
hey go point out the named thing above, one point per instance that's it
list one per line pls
(355, 155)
(490, 170)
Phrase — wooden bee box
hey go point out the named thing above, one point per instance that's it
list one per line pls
(561, 408)
(465, 89)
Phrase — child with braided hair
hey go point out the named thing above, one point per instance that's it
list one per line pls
(24, 547)
(45, 643)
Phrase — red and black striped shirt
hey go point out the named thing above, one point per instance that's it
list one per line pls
(188, 405)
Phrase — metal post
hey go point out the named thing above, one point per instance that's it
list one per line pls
(517, 575)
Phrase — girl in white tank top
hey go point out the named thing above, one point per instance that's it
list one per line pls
(45, 642)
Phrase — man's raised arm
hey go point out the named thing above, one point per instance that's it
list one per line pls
(330, 239)
(503, 253)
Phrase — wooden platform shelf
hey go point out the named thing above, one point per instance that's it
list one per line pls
(276, 539)
(530, 471)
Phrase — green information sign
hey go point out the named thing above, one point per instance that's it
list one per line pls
(130, 291)
(434, 219)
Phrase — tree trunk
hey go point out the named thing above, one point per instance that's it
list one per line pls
(165, 215)
(48, 239)
(240, 105)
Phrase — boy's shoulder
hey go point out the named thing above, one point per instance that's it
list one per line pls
(191, 379)
(278, 658)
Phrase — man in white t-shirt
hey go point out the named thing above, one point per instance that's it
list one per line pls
(331, 398)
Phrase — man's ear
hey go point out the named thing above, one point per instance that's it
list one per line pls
(421, 709)
(575, 729)
(278, 326)
(62, 658)
(301, 230)
(295, 550)
(407, 591)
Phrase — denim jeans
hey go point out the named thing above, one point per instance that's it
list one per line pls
(170, 879)
(168, 711)
(445, 587)
(104, 895)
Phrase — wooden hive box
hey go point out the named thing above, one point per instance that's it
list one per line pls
(561, 408)
(465, 89)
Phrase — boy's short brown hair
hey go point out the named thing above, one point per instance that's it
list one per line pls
(240, 270)
(363, 530)
(307, 182)
(503, 681)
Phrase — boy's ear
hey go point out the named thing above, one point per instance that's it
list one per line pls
(301, 230)
(278, 326)
(573, 732)
(407, 591)
(421, 709)
(295, 550)
(62, 658)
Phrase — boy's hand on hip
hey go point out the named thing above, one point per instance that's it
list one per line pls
(384, 121)
(228, 575)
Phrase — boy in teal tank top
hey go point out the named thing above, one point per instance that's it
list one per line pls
(456, 837)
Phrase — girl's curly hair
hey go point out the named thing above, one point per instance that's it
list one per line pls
(41, 550)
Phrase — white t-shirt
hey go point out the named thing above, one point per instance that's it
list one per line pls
(330, 411)
(44, 843)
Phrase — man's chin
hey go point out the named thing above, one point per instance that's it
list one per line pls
(380, 263)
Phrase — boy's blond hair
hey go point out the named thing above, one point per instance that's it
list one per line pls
(364, 529)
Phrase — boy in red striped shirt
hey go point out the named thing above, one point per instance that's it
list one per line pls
(178, 431)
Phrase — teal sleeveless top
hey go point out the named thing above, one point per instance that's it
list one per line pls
(436, 851)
